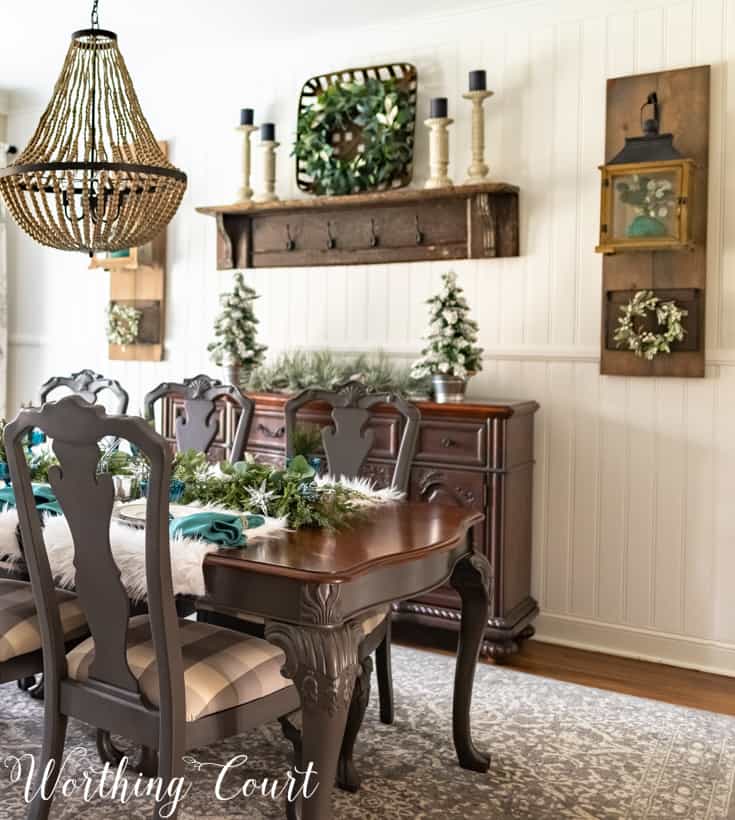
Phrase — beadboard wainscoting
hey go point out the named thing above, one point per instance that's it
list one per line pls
(634, 532)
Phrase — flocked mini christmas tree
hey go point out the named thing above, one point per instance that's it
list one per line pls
(452, 348)
(235, 329)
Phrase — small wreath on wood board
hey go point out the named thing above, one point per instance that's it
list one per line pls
(356, 136)
(633, 334)
(123, 324)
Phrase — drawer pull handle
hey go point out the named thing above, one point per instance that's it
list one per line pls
(279, 432)
(290, 244)
(448, 442)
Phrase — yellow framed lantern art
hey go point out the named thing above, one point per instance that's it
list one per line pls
(645, 193)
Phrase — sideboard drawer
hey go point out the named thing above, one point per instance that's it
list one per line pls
(453, 442)
(267, 431)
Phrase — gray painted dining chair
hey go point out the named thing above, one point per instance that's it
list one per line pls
(197, 429)
(88, 384)
(347, 445)
(165, 683)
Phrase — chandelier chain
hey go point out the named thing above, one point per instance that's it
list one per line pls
(95, 14)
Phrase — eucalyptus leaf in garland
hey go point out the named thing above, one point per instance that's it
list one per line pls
(384, 114)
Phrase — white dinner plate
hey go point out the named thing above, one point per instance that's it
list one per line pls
(133, 512)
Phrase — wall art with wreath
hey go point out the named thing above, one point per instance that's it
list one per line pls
(355, 130)
(634, 329)
(123, 324)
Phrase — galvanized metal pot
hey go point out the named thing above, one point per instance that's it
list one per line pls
(448, 388)
(231, 372)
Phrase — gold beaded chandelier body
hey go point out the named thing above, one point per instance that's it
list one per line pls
(92, 178)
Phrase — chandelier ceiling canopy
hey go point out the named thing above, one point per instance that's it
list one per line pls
(92, 178)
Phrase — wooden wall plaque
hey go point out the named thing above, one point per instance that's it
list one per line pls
(684, 110)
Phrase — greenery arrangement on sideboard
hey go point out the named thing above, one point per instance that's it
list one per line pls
(357, 136)
(452, 354)
(632, 331)
(296, 370)
(235, 344)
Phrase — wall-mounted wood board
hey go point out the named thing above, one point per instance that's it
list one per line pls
(684, 110)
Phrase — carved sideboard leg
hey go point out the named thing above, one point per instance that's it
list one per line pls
(323, 664)
(347, 775)
(501, 651)
(471, 578)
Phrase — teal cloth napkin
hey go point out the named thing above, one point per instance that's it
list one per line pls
(218, 528)
(42, 493)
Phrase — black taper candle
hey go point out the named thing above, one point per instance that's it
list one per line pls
(438, 108)
(268, 132)
(478, 80)
(246, 116)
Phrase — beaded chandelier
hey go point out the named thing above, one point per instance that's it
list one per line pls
(92, 178)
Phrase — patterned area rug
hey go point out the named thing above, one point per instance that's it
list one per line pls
(559, 751)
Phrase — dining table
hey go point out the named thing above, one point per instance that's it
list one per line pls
(311, 587)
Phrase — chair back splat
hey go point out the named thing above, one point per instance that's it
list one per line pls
(198, 427)
(348, 444)
(88, 384)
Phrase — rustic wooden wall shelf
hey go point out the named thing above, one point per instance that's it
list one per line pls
(675, 274)
(461, 222)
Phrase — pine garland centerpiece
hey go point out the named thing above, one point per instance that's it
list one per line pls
(235, 329)
(452, 352)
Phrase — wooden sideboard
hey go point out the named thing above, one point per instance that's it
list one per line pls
(477, 454)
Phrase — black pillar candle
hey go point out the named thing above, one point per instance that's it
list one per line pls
(246, 116)
(438, 108)
(478, 81)
(268, 132)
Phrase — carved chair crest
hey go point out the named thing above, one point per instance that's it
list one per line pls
(347, 445)
(197, 429)
(75, 427)
(87, 384)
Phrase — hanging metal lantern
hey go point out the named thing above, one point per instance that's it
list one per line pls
(646, 191)
(92, 178)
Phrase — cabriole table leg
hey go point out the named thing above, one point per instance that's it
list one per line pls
(471, 579)
(323, 664)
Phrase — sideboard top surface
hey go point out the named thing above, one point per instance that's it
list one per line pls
(484, 408)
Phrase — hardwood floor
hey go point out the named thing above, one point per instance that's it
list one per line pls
(684, 687)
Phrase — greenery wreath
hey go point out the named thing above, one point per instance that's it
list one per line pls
(633, 334)
(123, 324)
(382, 113)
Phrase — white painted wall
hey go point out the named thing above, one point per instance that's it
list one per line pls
(634, 546)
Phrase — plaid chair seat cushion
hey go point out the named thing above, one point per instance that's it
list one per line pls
(368, 624)
(222, 668)
(20, 632)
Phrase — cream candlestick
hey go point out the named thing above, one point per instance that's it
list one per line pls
(269, 172)
(246, 192)
(478, 170)
(438, 152)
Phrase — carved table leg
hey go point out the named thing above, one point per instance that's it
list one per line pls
(323, 664)
(471, 579)
(347, 776)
